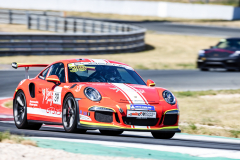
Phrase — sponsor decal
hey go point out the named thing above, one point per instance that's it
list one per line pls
(84, 113)
(66, 86)
(22, 82)
(78, 88)
(57, 95)
(76, 68)
(141, 114)
(52, 110)
(117, 89)
(33, 103)
(141, 127)
(141, 91)
(102, 62)
(142, 107)
(47, 96)
(85, 118)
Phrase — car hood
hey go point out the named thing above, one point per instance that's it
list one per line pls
(220, 50)
(125, 93)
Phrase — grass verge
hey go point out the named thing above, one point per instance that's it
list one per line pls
(6, 137)
(210, 112)
(163, 52)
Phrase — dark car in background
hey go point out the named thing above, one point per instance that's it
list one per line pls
(224, 55)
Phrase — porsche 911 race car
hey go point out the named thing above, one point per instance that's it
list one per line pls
(226, 54)
(88, 94)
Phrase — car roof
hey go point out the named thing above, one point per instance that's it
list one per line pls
(89, 60)
(233, 38)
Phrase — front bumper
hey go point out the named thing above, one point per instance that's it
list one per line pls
(102, 126)
(166, 121)
(227, 63)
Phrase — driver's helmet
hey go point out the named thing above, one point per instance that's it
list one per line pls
(111, 74)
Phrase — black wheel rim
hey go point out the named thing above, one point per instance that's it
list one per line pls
(19, 108)
(69, 111)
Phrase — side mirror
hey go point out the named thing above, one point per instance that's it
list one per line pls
(211, 47)
(53, 78)
(150, 83)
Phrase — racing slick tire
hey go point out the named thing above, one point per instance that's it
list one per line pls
(158, 135)
(111, 133)
(20, 113)
(69, 114)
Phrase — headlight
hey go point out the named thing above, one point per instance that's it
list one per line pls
(201, 53)
(235, 54)
(169, 97)
(92, 94)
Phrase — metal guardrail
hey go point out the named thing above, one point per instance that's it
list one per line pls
(20, 16)
(74, 25)
(52, 44)
(80, 36)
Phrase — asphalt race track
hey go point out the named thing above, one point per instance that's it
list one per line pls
(178, 28)
(93, 135)
(177, 80)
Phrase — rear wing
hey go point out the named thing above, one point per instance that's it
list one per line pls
(16, 65)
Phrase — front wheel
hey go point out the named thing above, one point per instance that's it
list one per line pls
(111, 133)
(158, 135)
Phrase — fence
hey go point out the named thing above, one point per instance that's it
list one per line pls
(20, 16)
(73, 25)
(52, 44)
(80, 36)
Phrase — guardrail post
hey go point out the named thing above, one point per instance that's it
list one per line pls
(116, 28)
(56, 24)
(28, 21)
(84, 26)
(93, 27)
(109, 28)
(102, 27)
(10, 16)
(74, 26)
(38, 22)
(47, 24)
(65, 25)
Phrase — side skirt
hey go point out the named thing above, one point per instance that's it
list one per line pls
(45, 122)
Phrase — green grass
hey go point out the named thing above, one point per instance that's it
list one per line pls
(6, 137)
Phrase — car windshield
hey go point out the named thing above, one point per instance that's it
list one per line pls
(228, 44)
(112, 73)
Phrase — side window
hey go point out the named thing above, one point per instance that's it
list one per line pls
(58, 70)
(44, 74)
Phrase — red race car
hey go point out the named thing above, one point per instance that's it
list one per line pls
(87, 94)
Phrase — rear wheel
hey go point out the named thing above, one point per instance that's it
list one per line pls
(20, 113)
(158, 135)
(112, 133)
(69, 114)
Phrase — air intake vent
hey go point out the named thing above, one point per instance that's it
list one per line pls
(104, 116)
(140, 122)
(170, 119)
